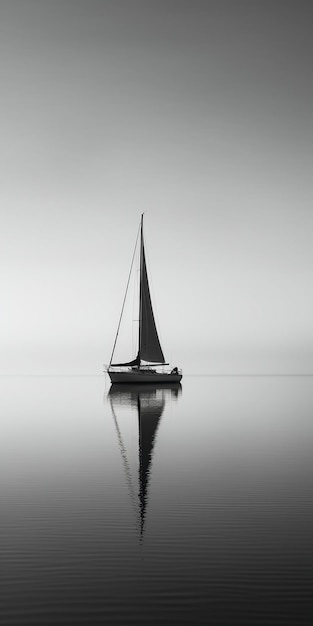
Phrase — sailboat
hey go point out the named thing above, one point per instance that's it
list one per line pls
(142, 369)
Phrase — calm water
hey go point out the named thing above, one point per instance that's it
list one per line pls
(179, 506)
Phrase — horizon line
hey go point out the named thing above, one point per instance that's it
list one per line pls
(184, 375)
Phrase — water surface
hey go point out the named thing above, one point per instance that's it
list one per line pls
(188, 505)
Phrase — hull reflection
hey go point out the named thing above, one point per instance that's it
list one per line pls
(149, 401)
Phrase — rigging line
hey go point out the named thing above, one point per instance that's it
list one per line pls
(129, 275)
(127, 470)
(135, 313)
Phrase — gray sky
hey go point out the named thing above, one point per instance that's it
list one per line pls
(197, 112)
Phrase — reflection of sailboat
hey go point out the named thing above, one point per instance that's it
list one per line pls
(139, 369)
(149, 401)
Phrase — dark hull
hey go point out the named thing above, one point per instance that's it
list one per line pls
(146, 377)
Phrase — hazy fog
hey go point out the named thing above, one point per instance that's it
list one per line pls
(197, 112)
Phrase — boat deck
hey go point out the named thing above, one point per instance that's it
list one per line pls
(144, 376)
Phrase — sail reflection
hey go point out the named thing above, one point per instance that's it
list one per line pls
(149, 401)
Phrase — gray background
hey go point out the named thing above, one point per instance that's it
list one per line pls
(197, 112)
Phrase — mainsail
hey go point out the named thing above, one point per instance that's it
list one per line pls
(149, 343)
(149, 347)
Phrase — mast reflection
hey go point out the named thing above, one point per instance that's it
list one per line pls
(149, 401)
